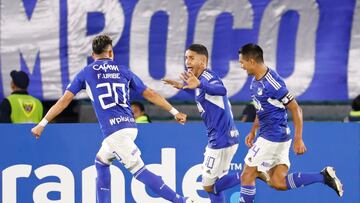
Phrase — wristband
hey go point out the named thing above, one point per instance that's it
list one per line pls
(173, 111)
(43, 122)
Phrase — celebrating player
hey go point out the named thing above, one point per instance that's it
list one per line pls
(269, 156)
(108, 85)
(215, 109)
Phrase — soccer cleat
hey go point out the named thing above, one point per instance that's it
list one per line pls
(332, 180)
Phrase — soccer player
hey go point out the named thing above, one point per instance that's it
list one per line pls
(268, 157)
(215, 109)
(108, 84)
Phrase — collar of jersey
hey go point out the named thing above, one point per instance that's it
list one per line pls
(268, 70)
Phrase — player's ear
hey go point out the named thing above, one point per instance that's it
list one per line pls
(111, 54)
(93, 55)
(203, 61)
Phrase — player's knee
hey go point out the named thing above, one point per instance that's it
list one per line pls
(248, 177)
(133, 165)
(208, 188)
(102, 158)
(277, 183)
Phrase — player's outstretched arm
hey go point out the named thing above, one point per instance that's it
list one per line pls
(299, 146)
(55, 110)
(212, 88)
(174, 83)
(160, 101)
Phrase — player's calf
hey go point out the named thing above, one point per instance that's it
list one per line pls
(278, 183)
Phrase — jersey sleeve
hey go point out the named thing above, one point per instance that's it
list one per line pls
(77, 84)
(136, 83)
(213, 86)
(279, 91)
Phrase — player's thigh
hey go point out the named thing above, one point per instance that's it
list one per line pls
(266, 154)
(216, 163)
(121, 145)
(211, 166)
(227, 156)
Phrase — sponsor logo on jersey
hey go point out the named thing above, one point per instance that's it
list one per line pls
(121, 119)
(105, 67)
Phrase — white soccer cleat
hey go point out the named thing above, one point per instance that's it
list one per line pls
(332, 180)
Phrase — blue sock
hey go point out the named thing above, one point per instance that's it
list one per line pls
(226, 182)
(103, 182)
(247, 194)
(217, 198)
(296, 180)
(157, 185)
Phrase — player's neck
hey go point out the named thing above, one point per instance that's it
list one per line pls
(261, 71)
(101, 56)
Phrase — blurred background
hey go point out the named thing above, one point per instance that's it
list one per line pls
(313, 44)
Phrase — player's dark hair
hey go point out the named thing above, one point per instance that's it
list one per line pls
(252, 51)
(100, 43)
(356, 104)
(139, 104)
(199, 49)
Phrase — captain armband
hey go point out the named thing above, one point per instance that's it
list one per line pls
(287, 99)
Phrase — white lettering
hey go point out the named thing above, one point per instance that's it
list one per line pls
(190, 185)
(66, 185)
(29, 38)
(106, 67)
(9, 180)
(175, 46)
(121, 119)
(242, 13)
(79, 41)
(236, 166)
(305, 39)
(167, 170)
(354, 55)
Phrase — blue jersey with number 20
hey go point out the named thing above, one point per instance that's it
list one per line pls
(107, 85)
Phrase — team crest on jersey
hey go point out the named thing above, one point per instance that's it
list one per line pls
(259, 91)
(257, 104)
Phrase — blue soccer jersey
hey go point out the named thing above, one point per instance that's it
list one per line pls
(270, 97)
(107, 85)
(215, 109)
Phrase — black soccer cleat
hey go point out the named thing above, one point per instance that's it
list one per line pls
(332, 180)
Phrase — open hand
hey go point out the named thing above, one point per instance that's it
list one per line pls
(190, 79)
(173, 83)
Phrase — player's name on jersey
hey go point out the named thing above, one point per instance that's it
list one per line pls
(108, 75)
(121, 119)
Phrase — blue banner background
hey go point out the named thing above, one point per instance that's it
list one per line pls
(75, 145)
(333, 36)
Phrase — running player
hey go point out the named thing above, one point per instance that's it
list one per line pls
(268, 157)
(215, 110)
(108, 85)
